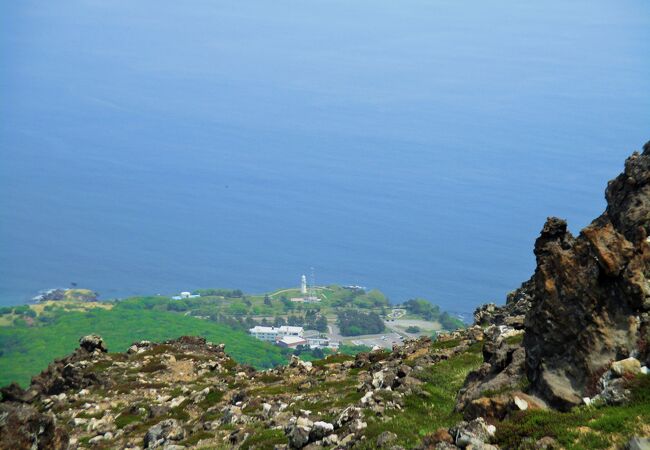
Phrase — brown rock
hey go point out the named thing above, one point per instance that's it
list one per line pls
(589, 290)
(23, 427)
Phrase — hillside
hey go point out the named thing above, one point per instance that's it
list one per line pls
(31, 335)
(26, 350)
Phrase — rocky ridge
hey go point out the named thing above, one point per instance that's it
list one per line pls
(188, 393)
(586, 307)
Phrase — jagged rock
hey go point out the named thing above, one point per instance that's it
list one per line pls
(320, 430)
(547, 443)
(297, 363)
(590, 290)
(357, 425)
(404, 370)
(500, 407)
(350, 413)
(298, 432)
(331, 439)
(14, 393)
(385, 438)
(513, 313)
(163, 433)
(615, 392)
(638, 443)
(586, 305)
(628, 366)
(476, 433)
(92, 342)
(503, 369)
(23, 427)
(158, 411)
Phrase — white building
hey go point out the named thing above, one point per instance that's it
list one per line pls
(303, 285)
(273, 334)
(185, 295)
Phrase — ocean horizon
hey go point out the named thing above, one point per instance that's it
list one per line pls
(413, 147)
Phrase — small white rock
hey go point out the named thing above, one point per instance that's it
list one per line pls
(521, 403)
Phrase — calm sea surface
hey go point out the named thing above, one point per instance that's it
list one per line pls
(413, 146)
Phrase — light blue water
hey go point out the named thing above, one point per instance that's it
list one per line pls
(413, 146)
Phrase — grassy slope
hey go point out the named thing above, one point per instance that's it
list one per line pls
(28, 350)
(583, 428)
(424, 414)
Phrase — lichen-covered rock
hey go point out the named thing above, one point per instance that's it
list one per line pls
(626, 367)
(476, 433)
(512, 314)
(163, 433)
(503, 369)
(24, 427)
(92, 342)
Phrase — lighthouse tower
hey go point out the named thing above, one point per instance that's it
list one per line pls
(303, 285)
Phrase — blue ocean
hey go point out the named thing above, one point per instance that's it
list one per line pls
(415, 146)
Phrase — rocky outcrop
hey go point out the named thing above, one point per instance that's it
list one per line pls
(512, 314)
(587, 304)
(502, 370)
(63, 374)
(188, 393)
(592, 294)
(23, 426)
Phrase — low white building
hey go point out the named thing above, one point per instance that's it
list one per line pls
(273, 334)
(185, 295)
(318, 342)
(291, 341)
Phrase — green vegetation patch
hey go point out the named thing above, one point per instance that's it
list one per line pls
(582, 428)
(425, 412)
(354, 323)
(28, 350)
(264, 440)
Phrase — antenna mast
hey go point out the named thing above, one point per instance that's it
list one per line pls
(311, 286)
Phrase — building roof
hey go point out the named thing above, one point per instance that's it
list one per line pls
(282, 329)
(291, 340)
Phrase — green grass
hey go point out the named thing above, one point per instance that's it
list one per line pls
(264, 440)
(424, 414)
(125, 419)
(28, 350)
(603, 427)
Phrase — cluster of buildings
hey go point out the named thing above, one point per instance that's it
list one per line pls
(289, 337)
(185, 295)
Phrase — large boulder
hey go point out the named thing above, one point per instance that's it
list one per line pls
(92, 342)
(591, 292)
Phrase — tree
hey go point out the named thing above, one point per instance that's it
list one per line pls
(450, 323)
(267, 300)
(354, 323)
(321, 324)
(279, 322)
(295, 321)
(287, 304)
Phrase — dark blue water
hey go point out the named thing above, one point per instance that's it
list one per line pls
(413, 146)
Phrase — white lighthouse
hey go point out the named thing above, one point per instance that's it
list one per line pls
(303, 285)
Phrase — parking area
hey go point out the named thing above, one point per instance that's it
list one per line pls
(381, 340)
